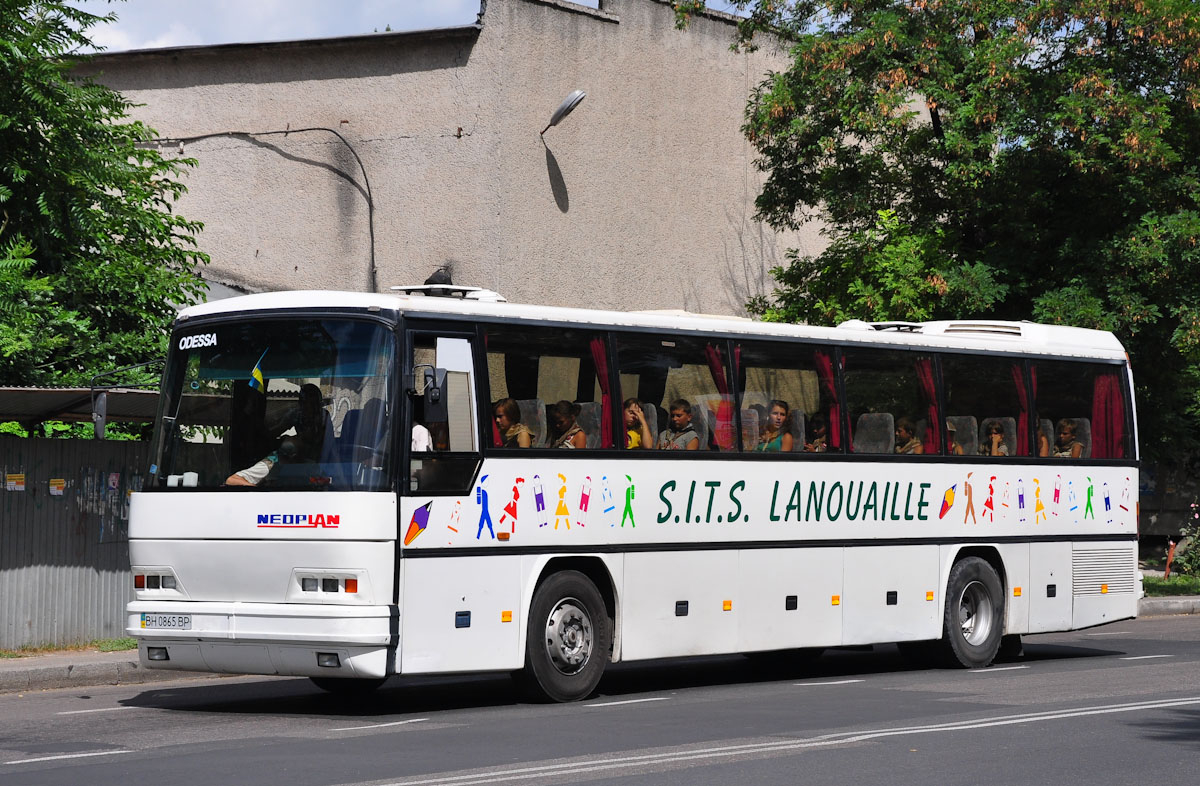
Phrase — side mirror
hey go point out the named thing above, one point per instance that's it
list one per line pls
(99, 412)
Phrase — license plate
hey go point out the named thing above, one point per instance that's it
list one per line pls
(171, 621)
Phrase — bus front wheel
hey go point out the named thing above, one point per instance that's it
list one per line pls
(973, 622)
(568, 639)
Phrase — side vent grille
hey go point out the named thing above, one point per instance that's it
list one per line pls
(982, 328)
(1102, 571)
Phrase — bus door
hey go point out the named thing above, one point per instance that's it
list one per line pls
(441, 412)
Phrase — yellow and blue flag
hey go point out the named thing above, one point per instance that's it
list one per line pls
(256, 375)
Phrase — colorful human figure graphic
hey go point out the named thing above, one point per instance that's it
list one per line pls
(970, 492)
(1107, 503)
(606, 497)
(1057, 494)
(485, 515)
(1039, 510)
(1072, 503)
(585, 497)
(454, 517)
(509, 515)
(539, 501)
(1004, 498)
(629, 495)
(989, 504)
(1021, 499)
(561, 514)
(1124, 505)
(1088, 512)
(947, 501)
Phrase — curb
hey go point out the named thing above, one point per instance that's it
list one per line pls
(75, 675)
(1162, 607)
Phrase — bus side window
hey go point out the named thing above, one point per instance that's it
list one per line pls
(1087, 407)
(550, 385)
(683, 383)
(983, 401)
(896, 387)
(785, 402)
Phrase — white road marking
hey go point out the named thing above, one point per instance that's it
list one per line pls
(834, 682)
(1108, 633)
(825, 740)
(98, 709)
(1146, 657)
(380, 725)
(995, 669)
(67, 756)
(627, 701)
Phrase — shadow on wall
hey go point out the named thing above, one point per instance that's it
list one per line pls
(750, 252)
(557, 184)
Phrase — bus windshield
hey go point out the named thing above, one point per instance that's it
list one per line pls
(278, 404)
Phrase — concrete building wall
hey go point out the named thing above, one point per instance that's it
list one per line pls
(642, 198)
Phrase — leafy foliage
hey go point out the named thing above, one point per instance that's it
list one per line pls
(1033, 158)
(92, 255)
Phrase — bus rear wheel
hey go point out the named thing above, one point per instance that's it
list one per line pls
(973, 622)
(568, 639)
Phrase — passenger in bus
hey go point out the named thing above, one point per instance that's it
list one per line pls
(1067, 446)
(680, 435)
(956, 448)
(906, 437)
(774, 436)
(568, 434)
(513, 433)
(637, 430)
(310, 423)
(818, 434)
(993, 440)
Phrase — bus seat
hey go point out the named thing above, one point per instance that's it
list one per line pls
(533, 415)
(1010, 432)
(589, 421)
(1083, 433)
(875, 433)
(966, 432)
(652, 420)
(1046, 429)
(750, 429)
(702, 422)
(795, 427)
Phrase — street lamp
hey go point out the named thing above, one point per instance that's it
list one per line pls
(564, 109)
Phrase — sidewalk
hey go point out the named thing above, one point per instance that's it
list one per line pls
(81, 668)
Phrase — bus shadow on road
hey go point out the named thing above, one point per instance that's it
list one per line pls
(1179, 725)
(405, 695)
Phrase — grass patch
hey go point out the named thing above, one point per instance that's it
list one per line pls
(115, 645)
(1157, 587)
(104, 645)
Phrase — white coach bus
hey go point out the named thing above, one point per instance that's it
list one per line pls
(350, 486)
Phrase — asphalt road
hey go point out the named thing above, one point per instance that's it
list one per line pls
(1112, 705)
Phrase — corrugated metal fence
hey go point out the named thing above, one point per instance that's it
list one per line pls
(64, 531)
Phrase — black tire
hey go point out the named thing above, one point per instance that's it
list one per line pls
(348, 687)
(973, 621)
(568, 639)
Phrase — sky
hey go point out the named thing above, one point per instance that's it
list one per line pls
(149, 24)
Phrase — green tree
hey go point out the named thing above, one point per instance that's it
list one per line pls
(1036, 159)
(92, 254)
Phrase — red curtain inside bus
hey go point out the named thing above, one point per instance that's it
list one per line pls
(824, 362)
(933, 434)
(600, 359)
(1018, 373)
(716, 366)
(1108, 416)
